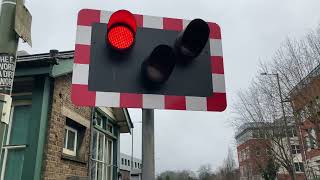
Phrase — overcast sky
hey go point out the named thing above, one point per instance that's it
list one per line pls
(252, 30)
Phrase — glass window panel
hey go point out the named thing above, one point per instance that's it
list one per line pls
(110, 129)
(99, 121)
(100, 147)
(109, 160)
(99, 173)
(65, 138)
(71, 140)
(94, 144)
(104, 124)
(93, 170)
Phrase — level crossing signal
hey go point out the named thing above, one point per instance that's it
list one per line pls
(130, 57)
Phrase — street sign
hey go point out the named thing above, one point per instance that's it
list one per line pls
(7, 69)
(23, 20)
(98, 73)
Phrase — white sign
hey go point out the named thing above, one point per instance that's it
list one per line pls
(7, 69)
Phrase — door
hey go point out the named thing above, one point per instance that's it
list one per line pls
(16, 143)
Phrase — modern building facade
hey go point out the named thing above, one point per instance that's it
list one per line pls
(50, 138)
(130, 167)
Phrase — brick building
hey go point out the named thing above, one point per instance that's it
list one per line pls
(305, 98)
(254, 152)
(49, 137)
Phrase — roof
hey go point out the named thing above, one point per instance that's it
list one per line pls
(248, 126)
(59, 65)
(256, 125)
(306, 80)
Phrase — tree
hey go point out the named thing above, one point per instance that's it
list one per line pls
(260, 105)
(205, 173)
(270, 171)
(177, 175)
(228, 169)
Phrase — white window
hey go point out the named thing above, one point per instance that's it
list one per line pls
(299, 167)
(102, 156)
(295, 149)
(292, 132)
(70, 141)
(247, 153)
(313, 138)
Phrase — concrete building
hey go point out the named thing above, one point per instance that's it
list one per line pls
(50, 138)
(130, 168)
(305, 98)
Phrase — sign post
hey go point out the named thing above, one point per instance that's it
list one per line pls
(148, 165)
(15, 21)
(8, 49)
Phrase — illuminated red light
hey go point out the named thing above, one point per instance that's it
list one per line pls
(120, 37)
(121, 30)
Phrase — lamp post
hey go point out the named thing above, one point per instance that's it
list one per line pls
(284, 119)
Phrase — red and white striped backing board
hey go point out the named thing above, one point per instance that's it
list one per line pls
(81, 96)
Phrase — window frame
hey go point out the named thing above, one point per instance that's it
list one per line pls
(65, 149)
(300, 166)
(104, 159)
(295, 149)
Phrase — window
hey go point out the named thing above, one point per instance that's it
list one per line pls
(70, 141)
(102, 156)
(247, 153)
(317, 100)
(122, 161)
(292, 132)
(110, 128)
(295, 149)
(299, 167)
(125, 162)
(128, 162)
(312, 138)
(135, 164)
(103, 123)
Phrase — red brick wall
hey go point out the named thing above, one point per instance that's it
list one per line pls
(54, 166)
(287, 177)
(254, 161)
(125, 175)
(312, 152)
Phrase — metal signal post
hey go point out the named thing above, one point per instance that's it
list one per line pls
(148, 165)
(8, 49)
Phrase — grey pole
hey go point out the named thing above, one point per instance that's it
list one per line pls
(286, 127)
(131, 153)
(9, 39)
(8, 44)
(148, 165)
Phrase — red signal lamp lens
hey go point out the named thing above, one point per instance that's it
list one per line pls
(120, 37)
(121, 30)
